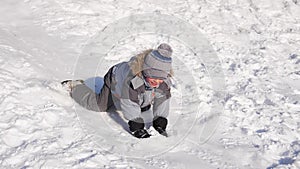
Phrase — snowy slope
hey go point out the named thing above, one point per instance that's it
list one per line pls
(256, 122)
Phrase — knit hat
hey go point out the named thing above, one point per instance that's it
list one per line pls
(158, 63)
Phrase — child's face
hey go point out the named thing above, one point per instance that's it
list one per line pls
(153, 82)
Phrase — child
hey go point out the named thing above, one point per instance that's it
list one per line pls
(133, 87)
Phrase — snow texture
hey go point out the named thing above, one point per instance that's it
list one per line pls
(256, 123)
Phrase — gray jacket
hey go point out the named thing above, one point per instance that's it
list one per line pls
(130, 93)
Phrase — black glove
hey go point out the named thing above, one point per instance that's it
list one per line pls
(160, 125)
(141, 133)
(136, 126)
(161, 131)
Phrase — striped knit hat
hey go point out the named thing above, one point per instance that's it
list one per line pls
(158, 63)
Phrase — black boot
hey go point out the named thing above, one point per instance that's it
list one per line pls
(136, 126)
(160, 125)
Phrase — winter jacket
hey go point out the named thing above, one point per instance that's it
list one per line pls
(132, 95)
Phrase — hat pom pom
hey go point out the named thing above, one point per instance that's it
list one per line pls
(165, 50)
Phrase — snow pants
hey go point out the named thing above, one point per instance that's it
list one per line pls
(88, 99)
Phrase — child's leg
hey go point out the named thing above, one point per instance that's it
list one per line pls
(86, 97)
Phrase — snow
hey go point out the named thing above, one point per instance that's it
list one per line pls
(235, 104)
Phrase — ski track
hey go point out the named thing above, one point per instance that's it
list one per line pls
(257, 43)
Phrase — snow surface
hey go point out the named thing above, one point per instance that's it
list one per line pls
(257, 46)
